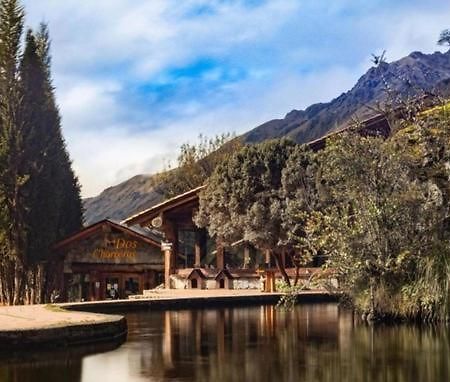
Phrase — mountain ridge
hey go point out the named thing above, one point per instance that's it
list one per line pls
(423, 71)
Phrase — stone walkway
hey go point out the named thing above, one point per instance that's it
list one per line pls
(20, 318)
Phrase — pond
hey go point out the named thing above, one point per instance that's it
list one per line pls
(313, 342)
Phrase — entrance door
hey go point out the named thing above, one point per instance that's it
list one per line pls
(131, 286)
(112, 288)
(222, 283)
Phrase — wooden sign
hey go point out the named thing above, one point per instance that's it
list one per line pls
(117, 249)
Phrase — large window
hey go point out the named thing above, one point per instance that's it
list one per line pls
(186, 249)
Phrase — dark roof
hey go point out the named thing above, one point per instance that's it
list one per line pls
(94, 228)
(198, 271)
(225, 272)
(374, 126)
(169, 204)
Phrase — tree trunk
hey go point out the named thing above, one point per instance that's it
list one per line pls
(2, 295)
(18, 285)
(280, 266)
(372, 296)
(297, 275)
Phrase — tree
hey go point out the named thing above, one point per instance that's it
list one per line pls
(424, 144)
(301, 199)
(52, 189)
(39, 194)
(444, 37)
(244, 199)
(13, 164)
(378, 219)
(196, 163)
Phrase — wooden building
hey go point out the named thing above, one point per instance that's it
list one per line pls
(194, 260)
(108, 261)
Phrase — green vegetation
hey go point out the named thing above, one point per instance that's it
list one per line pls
(378, 209)
(196, 162)
(245, 199)
(39, 194)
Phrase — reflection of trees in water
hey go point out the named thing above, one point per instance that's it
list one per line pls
(311, 343)
(62, 365)
(51, 371)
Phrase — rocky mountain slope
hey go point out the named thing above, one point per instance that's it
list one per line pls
(408, 76)
(125, 199)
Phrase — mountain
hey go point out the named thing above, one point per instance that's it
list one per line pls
(413, 75)
(125, 199)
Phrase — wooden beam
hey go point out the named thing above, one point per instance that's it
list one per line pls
(198, 249)
(168, 261)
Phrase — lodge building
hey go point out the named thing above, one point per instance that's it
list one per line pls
(108, 261)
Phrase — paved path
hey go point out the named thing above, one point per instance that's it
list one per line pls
(14, 318)
(191, 298)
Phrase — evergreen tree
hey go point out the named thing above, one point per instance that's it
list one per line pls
(244, 199)
(52, 190)
(13, 171)
(39, 194)
(71, 211)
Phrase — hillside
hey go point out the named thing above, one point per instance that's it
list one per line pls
(408, 76)
(125, 199)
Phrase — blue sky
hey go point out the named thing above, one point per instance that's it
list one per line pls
(137, 78)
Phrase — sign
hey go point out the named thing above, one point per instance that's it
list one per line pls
(117, 249)
(102, 253)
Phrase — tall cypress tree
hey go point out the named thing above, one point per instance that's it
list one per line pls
(13, 164)
(53, 190)
(39, 193)
(71, 208)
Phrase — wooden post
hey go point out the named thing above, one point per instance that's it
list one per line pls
(246, 256)
(270, 282)
(198, 249)
(267, 260)
(167, 250)
(219, 255)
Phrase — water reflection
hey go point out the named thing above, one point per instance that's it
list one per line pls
(312, 343)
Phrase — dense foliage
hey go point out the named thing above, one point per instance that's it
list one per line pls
(250, 196)
(39, 193)
(377, 208)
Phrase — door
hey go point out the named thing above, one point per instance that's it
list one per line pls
(112, 288)
(131, 286)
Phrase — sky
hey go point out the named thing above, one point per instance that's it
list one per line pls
(135, 79)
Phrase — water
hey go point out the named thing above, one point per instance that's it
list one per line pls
(316, 342)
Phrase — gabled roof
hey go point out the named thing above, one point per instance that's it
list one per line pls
(169, 204)
(224, 272)
(198, 271)
(377, 125)
(94, 228)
